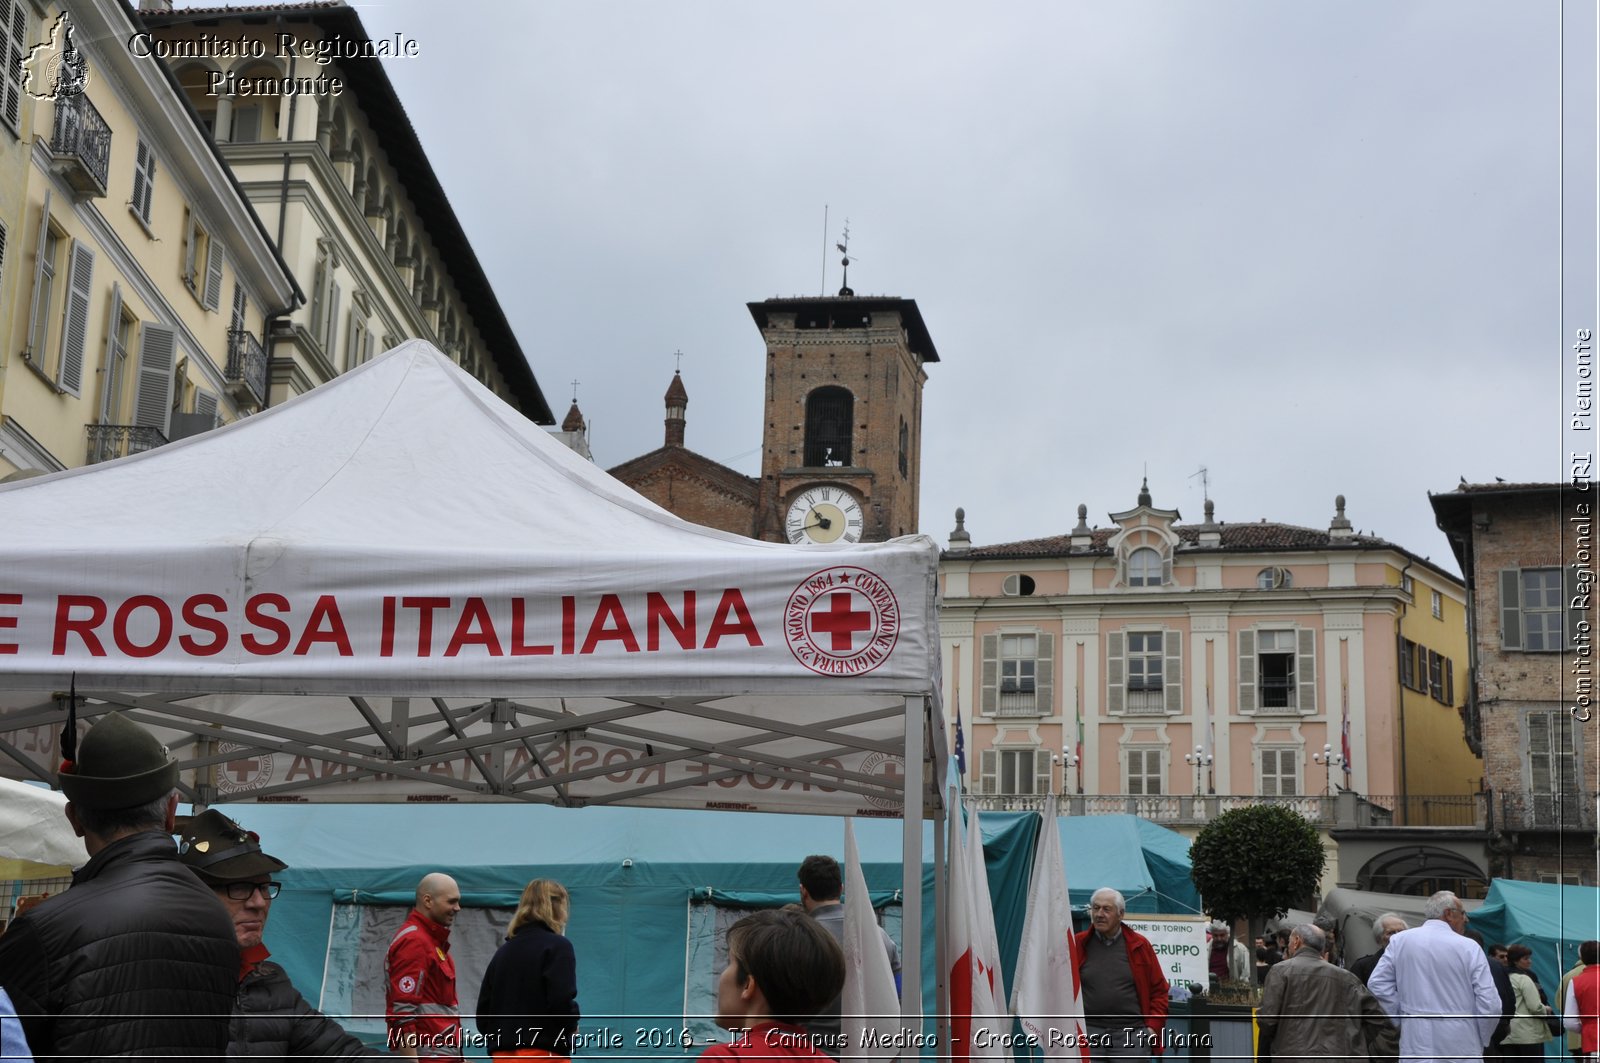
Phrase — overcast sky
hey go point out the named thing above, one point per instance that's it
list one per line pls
(1309, 246)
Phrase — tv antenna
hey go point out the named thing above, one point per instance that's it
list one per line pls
(1205, 482)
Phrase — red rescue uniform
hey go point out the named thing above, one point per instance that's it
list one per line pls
(422, 989)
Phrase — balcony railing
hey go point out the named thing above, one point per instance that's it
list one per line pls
(107, 441)
(247, 365)
(1345, 809)
(1568, 811)
(81, 144)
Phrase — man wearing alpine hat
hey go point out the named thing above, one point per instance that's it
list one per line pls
(137, 958)
(270, 1017)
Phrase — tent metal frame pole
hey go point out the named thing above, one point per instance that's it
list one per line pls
(941, 957)
(911, 870)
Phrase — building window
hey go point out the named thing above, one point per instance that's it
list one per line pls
(144, 180)
(1553, 768)
(829, 413)
(1531, 609)
(1410, 671)
(1018, 585)
(1274, 579)
(905, 448)
(1145, 776)
(1441, 677)
(1014, 771)
(43, 292)
(1144, 672)
(202, 264)
(14, 46)
(1561, 878)
(1438, 606)
(1280, 772)
(119, 341)
(1144, 568)
(1406, 584)
(1017, 671)
(1277, 671)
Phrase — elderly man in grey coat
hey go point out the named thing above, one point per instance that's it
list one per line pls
(1311, 1009)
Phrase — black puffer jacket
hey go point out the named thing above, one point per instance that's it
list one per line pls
(271, 1018)
(138, 958)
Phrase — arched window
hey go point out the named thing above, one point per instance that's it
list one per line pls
(829, 412)
(1144, 568)
(1274, 579)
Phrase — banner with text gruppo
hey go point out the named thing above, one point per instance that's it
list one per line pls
(1180, 944)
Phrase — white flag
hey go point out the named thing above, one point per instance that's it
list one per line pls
(1047, 998)
(985, 942)
(869, 1009)
(976, 1023)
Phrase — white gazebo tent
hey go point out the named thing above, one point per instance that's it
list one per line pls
(396, 588)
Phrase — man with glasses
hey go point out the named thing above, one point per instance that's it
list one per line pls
(1124, 991)
(270, 1017)
(1436, 985)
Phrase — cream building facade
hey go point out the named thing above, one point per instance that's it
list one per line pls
(303, 112)
(1174, 670)
(134, 267)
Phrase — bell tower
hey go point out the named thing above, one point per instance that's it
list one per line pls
(842, 432)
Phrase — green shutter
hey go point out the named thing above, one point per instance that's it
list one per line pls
(1306, 671)
(988, 695)
(1510, 609)
(1247, 671)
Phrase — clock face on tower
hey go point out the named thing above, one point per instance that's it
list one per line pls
(826, 513)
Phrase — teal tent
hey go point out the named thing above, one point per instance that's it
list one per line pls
(651, 888)
(1552, 920)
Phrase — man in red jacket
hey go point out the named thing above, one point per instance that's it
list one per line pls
(1124, 991)
(424, 1018)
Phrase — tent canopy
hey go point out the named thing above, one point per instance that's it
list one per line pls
(1552, 920)
(35, 839)
(394, 587)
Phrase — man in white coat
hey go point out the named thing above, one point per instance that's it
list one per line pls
(1436, 985)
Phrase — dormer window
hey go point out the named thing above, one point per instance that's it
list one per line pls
(1144, 568)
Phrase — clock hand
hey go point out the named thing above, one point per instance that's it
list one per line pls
(821, 522)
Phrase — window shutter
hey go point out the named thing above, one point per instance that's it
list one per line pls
(75, 327)
(988, 694)
(190, 249)
(1116, 671)
(1510, 609)
(205, 404)
(1166, 572)
(1269, 772)
(1010, 586)
(213, 295)
(143, 162)
(333, 321)
(240, 302)
(1172, 682)
(38, 269)
(319, 298)
(2, 253)
(11, 85)
(1247, 671)
(109, 373)
(1306, 671)
(1044, 674)
(1449, 681)
(366, 350)
(153, 406)
(1041, 771)
(988, 767)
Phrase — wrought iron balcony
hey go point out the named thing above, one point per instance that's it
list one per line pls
(107, 441)
(1571, 811)
(81, 144)
(247, 366)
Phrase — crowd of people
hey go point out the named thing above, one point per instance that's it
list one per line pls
(190, 917)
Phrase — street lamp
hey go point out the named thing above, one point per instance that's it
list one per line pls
(1067, 759)
(1332, 760)
(1201, 761)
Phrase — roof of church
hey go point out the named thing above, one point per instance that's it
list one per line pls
(635, 470)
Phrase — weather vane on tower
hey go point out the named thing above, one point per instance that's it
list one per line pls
(844, 249)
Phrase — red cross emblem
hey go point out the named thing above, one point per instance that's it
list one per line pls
(842, 621)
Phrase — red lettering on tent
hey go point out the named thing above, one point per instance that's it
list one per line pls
(83, 626)
(584, 757)
(125, 611)
(208, 625)
(9, 621)
(618, 756)
(519, 609)
(325, 625)
(610, 624)
(658, 612)
(386, 633)
(474, 629)
(569, 622)
(732, 602)
(425, 608)
(270, 624)
(300, 768)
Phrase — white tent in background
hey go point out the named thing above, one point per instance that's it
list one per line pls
(394, 587)
(35, 839)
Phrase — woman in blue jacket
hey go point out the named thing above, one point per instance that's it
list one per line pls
(528, 1002)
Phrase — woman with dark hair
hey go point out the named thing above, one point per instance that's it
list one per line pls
(1530, 1028)
(528, 1003)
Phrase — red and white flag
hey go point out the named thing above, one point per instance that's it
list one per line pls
(869, 1009)
(977, 1022)
(1047, 998)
